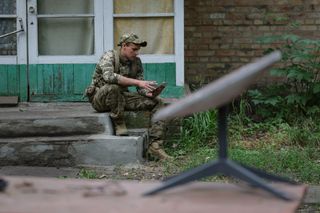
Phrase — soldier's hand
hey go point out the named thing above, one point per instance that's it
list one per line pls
(148, 85)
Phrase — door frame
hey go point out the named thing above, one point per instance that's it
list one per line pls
(34, 58)
(21, 57)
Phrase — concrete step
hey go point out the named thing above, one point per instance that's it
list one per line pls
(53, 121)
(66, 151)
(68, 134)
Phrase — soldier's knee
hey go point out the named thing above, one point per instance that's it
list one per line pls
(110, 88)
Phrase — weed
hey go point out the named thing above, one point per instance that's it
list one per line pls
(87, 174)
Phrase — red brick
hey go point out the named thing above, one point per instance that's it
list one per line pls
(226, 31)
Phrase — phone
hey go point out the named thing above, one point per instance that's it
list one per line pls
(159, 89)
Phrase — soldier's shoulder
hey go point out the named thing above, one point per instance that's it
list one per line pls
(108, 55)
(138, 60)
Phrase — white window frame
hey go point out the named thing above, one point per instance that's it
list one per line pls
(34, 58)
(21, 57)
(177, 57)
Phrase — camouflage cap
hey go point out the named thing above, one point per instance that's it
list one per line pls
(131, 38)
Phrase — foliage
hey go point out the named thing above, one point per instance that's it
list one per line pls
(87, 174)
(298, 91)
(198, 131)
(287, 149)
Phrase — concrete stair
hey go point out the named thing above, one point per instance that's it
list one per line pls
(64, 135)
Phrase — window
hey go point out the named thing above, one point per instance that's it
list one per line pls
(152, 20)
(8, 44)
(68, 19)
(65, 31)
(159, 22)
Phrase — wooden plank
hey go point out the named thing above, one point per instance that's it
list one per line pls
(41, 84)
(46, 78)
(58, 79)
(33, 79)
(170, 73)
(151, 72)
(57, 98)
(23, 83)
(161, 72)
(8, 100)
(13, 83)
(67, 76)
(48, 195)
(82, 77)
(145, 74)
(4, 79)
(50, 82)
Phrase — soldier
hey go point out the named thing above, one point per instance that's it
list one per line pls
(108, 91)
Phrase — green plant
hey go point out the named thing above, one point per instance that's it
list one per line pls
(87, 174)
(298, 90)
(198, 131)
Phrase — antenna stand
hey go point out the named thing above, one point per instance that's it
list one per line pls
(252, 176)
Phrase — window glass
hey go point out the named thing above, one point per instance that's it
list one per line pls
(7, 7)
(66, 36)
(143, 6)
(8, 45)
(65, 6)
(158, 32)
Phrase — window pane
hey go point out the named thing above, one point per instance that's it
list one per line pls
(66, 36)
(8, 45)
(158, 32)
(65, 6)
(7, 7)
(143, 6)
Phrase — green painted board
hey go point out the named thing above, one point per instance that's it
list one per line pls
(23, 83)
(13, 82)
(67, 82)
(4, 80)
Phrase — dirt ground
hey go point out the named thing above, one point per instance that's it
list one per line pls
(156, 171)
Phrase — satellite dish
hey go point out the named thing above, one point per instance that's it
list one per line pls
(218, 94)
(220, 91)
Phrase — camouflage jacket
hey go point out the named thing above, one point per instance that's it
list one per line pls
(105, 72)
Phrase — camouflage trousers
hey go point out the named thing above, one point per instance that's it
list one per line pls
(114, 99)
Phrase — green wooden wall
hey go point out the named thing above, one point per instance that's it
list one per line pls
(13, 81)
(67, 82)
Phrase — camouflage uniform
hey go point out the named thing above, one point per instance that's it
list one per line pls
(109, 96)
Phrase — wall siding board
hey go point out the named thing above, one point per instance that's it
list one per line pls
(23, 83)
(4, 79)
(33, 79)
(40, 85)
(161, 73)
(82, 77)
(13, 82)
(58, 79)
(150, 72)
(68, 79)
(67, 82)
(170, 73)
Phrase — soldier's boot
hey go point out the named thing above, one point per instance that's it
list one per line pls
(120, 127)
(156, 151)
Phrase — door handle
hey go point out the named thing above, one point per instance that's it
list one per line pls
(32, 9)
(15, 32)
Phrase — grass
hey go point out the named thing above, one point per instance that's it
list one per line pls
(291, 150)
(87, 174)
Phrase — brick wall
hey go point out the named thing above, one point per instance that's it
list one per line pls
(221, 35)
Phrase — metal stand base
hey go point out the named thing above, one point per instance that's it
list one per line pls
(223, 165)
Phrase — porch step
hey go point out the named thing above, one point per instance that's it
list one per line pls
(65, 134)
(53, 122)
(8, 100)
(66, 151)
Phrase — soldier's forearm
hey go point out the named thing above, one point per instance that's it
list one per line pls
(148, 85)
(124, 81)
